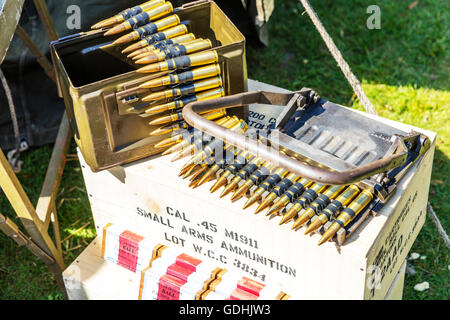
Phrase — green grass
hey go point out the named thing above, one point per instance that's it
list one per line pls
(404, 70)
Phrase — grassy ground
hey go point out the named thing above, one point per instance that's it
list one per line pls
(404, 69)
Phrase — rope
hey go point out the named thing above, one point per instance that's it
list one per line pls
(438, 225)
(356, 86)
(12, 109)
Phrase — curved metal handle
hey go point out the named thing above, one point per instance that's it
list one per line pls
(308, 171)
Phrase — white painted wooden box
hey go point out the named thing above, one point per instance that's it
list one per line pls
(149, 198)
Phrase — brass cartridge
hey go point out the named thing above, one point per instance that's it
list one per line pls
(290, 195)
(267, 185)
(242, 174)
(209, 94)
(305, 199)
(176, 51)
(186, 89)
(324, 199)
(142, 18)
(347, 215)
(142, 46)
(192, 60)
(150, 38)
(127, 14)
(333, 209)
(277, 191)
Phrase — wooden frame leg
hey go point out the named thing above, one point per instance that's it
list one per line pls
(36, 222)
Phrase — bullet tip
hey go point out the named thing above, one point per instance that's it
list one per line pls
(189, 171)
(287, 217)
(152, 58)
(259, 209)
(140, 55)
(300, 221)
(148, 68)
(326, 236)
(219, 183)
(166, 152)
(235, 197)
(193, 184)
(224, 193)
(113, 31)
(157, 122)
(248, 204)
(272, 211)
(127, 50)
(106, 23)
(313, 226)
(121, 40)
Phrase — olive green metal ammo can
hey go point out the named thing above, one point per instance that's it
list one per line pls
(99, 86)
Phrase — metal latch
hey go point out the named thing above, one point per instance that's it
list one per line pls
(130, 94)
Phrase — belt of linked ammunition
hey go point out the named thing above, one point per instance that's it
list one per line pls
(320, 202)
(139, 20)
(259, 175)
(184, 90)
(247, 171)
(307, 197)
(131, 12)
(179, 62)
(237, 165)
(332, 209)
(163, 43)
(174, 51)
(147, 29)
(294, 191)
(155, 38)
(282, 186)
(270, 182)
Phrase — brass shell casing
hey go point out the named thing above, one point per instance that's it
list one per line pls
(356, 206)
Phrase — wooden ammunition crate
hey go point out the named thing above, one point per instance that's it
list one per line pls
(149, 198)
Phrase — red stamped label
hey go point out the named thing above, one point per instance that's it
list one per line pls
(239, 294)
(169, 287)
(249, 285)
(179, 272)
(188, 262)
(129, 249)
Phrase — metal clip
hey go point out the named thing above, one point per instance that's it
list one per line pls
(307, 98)
(14, 155)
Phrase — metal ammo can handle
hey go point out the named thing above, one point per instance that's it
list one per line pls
(312, 172)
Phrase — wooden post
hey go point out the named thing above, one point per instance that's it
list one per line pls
(37, 53)
(24, 209)
(46, 19)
